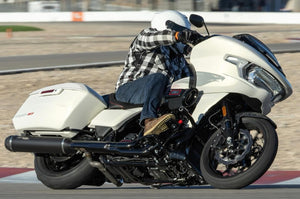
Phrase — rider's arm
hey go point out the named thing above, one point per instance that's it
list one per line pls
(151, 38)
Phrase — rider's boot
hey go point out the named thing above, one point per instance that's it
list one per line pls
(157, 125)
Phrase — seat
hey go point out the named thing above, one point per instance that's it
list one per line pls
(113, 103)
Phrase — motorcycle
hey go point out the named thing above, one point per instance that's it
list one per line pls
(221, 135)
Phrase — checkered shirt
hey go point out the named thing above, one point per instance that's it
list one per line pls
(151, 52)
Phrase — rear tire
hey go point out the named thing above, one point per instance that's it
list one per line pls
(66, 172)
(246, 171)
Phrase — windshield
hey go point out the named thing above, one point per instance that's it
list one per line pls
(261, 47)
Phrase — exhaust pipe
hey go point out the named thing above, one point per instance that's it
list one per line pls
(16, 143)
(60, 145)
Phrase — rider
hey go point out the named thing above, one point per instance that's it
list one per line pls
(154, 61)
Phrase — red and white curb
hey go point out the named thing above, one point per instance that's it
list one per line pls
(26, 175)
(18, 175)
(280, 178)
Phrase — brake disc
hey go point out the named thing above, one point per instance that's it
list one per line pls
(232, 154)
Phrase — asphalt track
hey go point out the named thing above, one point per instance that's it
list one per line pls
(22, 183)
(15, 64)
(38, 191)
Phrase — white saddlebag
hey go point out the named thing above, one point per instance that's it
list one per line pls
(59, 107)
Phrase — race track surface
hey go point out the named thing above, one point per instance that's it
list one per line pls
(22, 183)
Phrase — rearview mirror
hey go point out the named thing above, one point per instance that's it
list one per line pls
(196, 20)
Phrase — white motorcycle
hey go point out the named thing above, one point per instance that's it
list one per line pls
(221, 134)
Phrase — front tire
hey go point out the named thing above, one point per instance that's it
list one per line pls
(229, 171)
(59, 172)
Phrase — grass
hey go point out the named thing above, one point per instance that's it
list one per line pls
(16, 28)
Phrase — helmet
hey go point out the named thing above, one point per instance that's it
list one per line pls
(181, 21)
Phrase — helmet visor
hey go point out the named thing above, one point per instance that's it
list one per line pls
(174, 26)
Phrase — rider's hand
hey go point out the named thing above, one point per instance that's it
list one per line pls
(189, 36)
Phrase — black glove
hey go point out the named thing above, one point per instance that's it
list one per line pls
(189, 36)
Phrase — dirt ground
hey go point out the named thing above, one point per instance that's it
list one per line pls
(70, 38)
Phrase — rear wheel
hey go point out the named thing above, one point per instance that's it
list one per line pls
(232, 167)
(66, 172)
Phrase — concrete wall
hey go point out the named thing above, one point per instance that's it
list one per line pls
(210, 17)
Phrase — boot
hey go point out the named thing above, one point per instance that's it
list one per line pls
(157, 125)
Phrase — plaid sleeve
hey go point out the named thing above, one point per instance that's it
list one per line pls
(151, 38)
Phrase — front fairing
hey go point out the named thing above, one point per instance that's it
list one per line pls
(211, 55)
(272, 61)
(260, 47)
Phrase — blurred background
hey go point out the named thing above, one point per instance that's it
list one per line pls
(130, 5)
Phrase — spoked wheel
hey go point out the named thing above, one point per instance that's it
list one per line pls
(235, 166)
(66, 172)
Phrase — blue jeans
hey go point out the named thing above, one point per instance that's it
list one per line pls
(148, 90)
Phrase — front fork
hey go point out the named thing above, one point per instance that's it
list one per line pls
(227, 124)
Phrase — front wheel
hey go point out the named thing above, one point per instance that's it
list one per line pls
(234, 167)
(66, 172)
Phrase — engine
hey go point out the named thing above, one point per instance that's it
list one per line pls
(164, 165)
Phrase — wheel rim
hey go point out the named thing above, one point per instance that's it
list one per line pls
(228, 161)
(63, 163)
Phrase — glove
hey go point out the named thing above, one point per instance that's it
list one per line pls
(189, 36)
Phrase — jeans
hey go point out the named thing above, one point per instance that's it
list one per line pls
(148, 90)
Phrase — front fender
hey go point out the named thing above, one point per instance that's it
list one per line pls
(239, 116)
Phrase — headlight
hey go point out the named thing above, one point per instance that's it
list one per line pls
(261, 78)
(258, 77)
